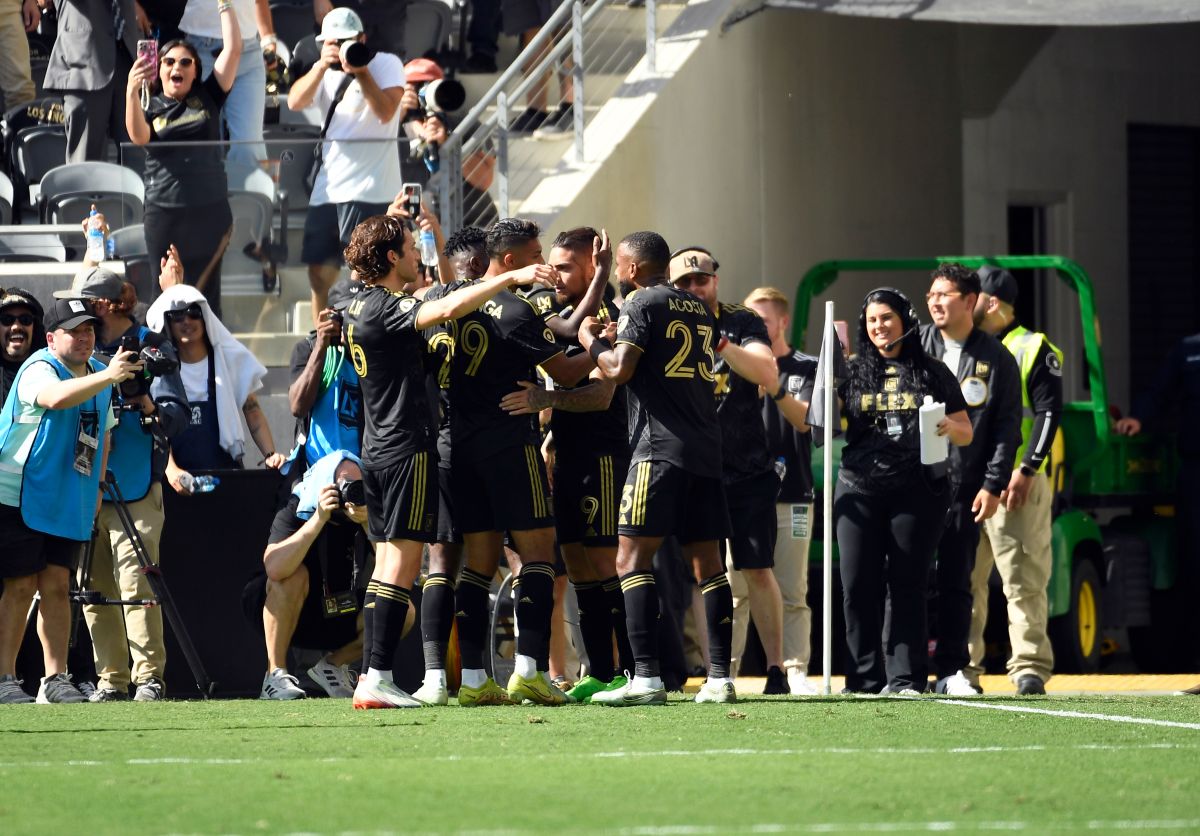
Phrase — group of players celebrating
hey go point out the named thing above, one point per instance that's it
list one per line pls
(459, 466)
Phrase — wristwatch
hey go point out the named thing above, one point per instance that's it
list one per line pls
(1026, 470)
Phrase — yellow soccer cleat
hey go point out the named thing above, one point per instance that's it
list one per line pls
(537, 690)
(489, 693)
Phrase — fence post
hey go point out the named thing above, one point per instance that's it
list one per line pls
(577, 76)
(502, 151)
(651, 36)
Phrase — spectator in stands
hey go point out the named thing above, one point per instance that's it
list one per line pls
(89, 68)
(247, 98)
(483, 35)
(54, 441)
(356, 179)
(21, 333)
(525, 18)
(383, 21)
(306, 593)
(140, 443)
(16, 76)
(324, 395)
(220, 376)
(187, 195)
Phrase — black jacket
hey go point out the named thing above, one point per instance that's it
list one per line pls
(1175, 393)
(991, 384)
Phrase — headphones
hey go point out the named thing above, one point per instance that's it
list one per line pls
(907, 311)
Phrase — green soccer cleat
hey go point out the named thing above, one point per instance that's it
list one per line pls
(584, 688)
(489, 693)
(537, 690)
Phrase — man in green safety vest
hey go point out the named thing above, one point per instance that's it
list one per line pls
(1017, 539)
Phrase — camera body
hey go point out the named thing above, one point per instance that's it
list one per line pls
(351, 492)
(352, 53)
(154, 364)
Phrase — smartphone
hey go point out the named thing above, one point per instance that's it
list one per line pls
(412, 199)
(148, 49)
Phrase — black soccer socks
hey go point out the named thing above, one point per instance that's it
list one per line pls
(368, 623)
(437, 617)
(595, 623)
(641, 606)
(391, 609)
(616, 608)
(718, 611)
(471, 600)
(535, 604)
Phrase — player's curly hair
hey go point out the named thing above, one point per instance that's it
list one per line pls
(964, 279)
(507, 233)
(649, 248)
(370, 242)
(579, 239)
(469, 239)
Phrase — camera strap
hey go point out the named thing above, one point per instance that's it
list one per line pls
(319, 153)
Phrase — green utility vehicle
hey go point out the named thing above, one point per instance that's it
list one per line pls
(1113, 530)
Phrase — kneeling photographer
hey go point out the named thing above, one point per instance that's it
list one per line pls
(307, 592)
(152, 409)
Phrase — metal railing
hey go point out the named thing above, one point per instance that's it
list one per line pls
(589, 50)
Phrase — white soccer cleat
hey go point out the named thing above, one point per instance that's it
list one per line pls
(432, 693)
(957, 686)
(717, 690)
(334, 679)
(382, 694)
(281, 685)
(631, 693)
(799, 684)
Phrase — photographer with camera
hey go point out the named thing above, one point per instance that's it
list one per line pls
(306, 593)
(54, 442)
(152, 409)
(359, 96)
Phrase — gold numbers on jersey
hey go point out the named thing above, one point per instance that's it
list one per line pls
(678, 329)
(590, 506)
(437, 341)
(474, 341)
(357, 355)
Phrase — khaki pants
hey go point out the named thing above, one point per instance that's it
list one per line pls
(791, 573)
(16, 78)
(137, 631)
(1018, 543)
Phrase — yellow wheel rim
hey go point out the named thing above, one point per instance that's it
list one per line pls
(1087, 619)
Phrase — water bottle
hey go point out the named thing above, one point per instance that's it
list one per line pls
(781, 468)
(95, 238)
(198, 484)
(429, 256)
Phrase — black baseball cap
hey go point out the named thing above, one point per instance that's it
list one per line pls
(69, 313)
(997, 282)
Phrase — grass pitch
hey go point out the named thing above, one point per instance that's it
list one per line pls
(765, 765)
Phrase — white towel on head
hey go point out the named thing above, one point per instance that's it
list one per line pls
(238, 372)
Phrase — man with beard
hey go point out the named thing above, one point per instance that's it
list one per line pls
(21, 333)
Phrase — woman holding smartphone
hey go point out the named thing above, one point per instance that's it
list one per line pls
(187, 200)
(889, 508)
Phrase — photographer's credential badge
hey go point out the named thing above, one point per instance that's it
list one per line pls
(87, 441)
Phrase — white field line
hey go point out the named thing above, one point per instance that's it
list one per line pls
(669, 753)
(1079, 715)
(919, 827)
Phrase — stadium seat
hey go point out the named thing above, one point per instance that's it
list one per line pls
(69, 191)
(35, 150)
(292, 21)
(294, 147)
(25, 247)
(6, 200)
(249, 265)
(426, 27)
(129, 246)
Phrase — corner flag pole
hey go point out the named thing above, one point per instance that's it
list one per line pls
(829, 345)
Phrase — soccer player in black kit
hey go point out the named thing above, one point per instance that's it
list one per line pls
(497, 477)
(383, 336)
(665, 352)
(591, 442)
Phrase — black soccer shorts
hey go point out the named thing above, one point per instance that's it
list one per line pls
(402, 499)
(585, 497)
(660, 499)
(507, 491)
(752, 519)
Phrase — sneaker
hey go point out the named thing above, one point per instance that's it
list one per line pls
(280, 685)
(107, 695)
(717, 690)
(956, 686)
(88, 689)
(558, 125)
(335, 679)
(528, 121)
(1030, 684)
(382, 694)
(776, 682)
(11, 691)
(799, 684)
(903, 692)
(1186, 692)
(59, 689)
(586, 687)
(432, 693)
(152, 690)
(630, 694)
(537, 690)
(489, 693)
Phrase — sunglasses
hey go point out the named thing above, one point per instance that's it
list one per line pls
(183, 62)
(8, 319)
(188, 313)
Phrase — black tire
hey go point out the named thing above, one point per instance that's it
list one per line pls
(1078, 633)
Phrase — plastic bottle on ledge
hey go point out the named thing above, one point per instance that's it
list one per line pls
(198, 484)
(96, 251)
(429, 255)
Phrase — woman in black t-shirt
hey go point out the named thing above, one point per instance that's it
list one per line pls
(187, 194)
(889, 508)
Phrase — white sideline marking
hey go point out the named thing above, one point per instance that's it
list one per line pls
(909, 827)
(670, 753)
(1081, 715)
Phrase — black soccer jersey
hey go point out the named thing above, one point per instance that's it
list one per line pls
(672, 412)
(799, 372)
(543, 300)
(491, 349)
(594, 433)
(388, 353)
(743, 438)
